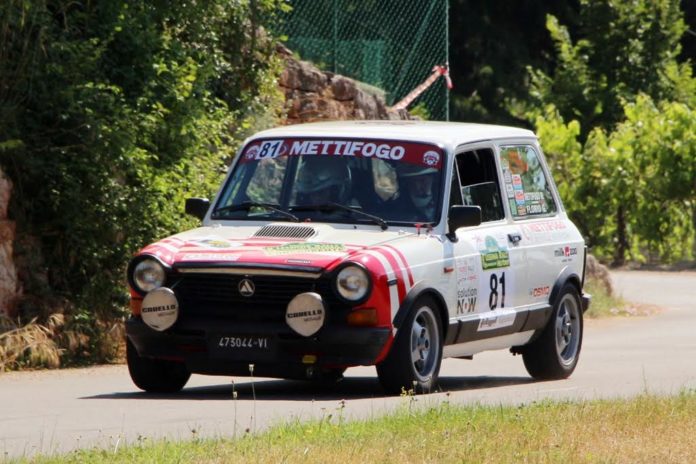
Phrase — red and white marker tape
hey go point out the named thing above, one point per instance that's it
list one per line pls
(415, 93)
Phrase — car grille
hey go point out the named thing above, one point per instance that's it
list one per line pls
(217, 296)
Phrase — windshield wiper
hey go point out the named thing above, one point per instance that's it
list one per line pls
(331, 206)
(254, 204)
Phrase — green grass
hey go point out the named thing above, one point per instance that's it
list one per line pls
(646, 429)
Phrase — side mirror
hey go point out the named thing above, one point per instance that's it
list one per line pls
(462, 216)
(197, 207)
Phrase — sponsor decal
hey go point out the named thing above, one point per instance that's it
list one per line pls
(298, 261)
(545, 231)
(310, 315)
(467, 283)
(535, 209)
(535, 202)
(538, 292)
(160, 309)
(497, 319)
(466, 270)
(546, 226)
(521, 210)
(494, 256)
(251, 152)
(383, 150)
(305, 313)
(291, 248)
(431, 158)
(215, 243)
(517, 181)
(409, 152)
(534, 196)
(513, 205)
(210, 257)
(510, 191)
(565, 252)
(466, 300)
(519, 197)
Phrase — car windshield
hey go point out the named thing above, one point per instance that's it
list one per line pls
(350, 181)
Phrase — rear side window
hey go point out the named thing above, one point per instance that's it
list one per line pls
(527, 188)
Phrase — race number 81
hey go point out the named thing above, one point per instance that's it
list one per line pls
(270, 149)
(495, 284)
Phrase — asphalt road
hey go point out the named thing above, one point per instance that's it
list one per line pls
(57, 411)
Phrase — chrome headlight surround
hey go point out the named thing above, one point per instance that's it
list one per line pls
(352, 283)
(146, 273)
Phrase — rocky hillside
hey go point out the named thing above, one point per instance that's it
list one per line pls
(313, 95)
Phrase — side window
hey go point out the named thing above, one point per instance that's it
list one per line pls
(526, 187)
(479, 182)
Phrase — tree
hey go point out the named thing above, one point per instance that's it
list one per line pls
(111, 113)
(628, 101)
(491, 45)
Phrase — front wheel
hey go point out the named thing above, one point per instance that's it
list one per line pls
(555, 353)
(413, 363)
(155, 375)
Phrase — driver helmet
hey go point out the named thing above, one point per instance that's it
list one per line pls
(320, 175)
(409, 172)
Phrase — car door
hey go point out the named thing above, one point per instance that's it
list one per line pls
(488, 261)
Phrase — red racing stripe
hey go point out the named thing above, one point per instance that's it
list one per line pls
(401, 287)
(405, 263)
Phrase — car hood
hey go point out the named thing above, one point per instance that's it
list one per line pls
(308, 247)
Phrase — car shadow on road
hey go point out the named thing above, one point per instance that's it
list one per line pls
(294, 390)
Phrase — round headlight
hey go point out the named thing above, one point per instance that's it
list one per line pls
(353, 283)
(148, 275)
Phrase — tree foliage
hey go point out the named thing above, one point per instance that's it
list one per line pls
(111, 114)
(625, 48)
(617, 118)
(491, 44)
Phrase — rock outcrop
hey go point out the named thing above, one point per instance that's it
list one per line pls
(10, 287)
(315, 95)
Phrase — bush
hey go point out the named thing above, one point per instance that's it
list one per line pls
(111, 114)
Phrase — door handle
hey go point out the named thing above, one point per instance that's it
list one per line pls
(515, 238)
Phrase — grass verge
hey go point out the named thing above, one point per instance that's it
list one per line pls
(646, 429)
(605, 304)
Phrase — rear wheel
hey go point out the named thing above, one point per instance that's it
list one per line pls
(413, 363)
(554, 355)
(154, 375)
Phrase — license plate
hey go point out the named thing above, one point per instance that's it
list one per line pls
(245, 342)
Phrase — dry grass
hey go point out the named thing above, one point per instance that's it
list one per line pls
(30, 344)
(47, 345)
(647, 429)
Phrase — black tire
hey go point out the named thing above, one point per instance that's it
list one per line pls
(413, 363)
(554, 355)
(154, 375)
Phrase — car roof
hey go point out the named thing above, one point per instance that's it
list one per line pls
(452, 133)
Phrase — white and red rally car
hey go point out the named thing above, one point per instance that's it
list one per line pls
(392, 244)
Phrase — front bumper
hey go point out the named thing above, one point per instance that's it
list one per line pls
(194, 342)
